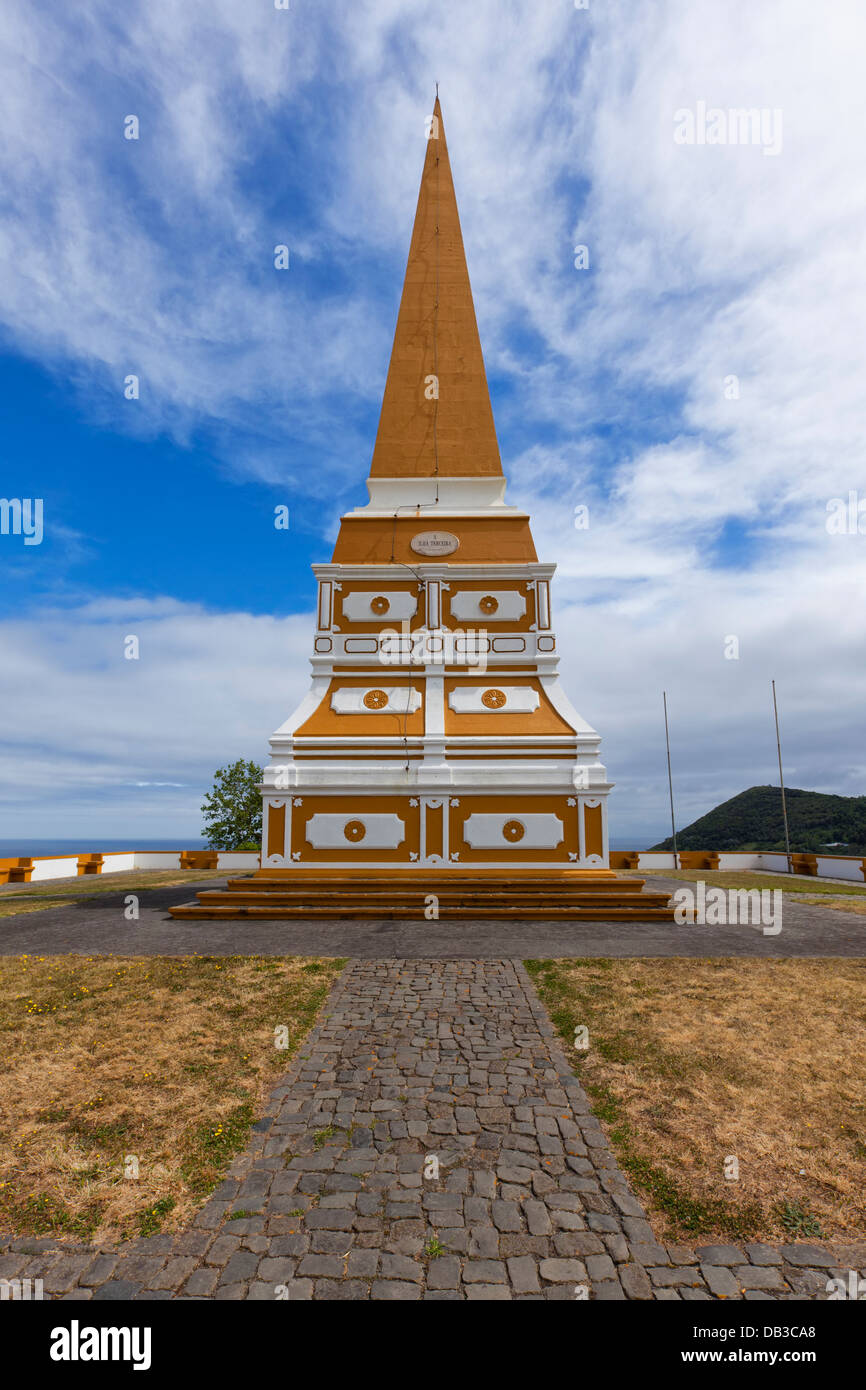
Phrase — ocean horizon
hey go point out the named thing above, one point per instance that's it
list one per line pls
(40, 849)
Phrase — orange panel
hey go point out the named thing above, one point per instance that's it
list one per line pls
(326, 723)
(350, 805)
(544, 720)
(435, 830)
(593, 828)
(366, 586)
(495, 626)
(515, 804)
(483, 540)
(276, 830)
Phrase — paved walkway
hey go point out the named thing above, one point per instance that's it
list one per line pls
(412, 1061)
(98, 925)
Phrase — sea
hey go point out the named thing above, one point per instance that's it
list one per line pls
(91, 844)
(94, 844)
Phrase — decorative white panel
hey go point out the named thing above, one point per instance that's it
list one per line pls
(469, 606)
(509, 644)
(484, 699)
(276, 861)
(543, 604)
(473, 644)
(361, 646)
(547, 644)
(325, 602)
(369, 607)
(361, 831)
(376, 700)
(516, 831)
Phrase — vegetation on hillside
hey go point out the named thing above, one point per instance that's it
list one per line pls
(818, 823)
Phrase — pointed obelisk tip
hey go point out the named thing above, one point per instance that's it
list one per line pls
(437, 352)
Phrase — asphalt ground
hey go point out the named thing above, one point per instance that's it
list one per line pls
(97, 926)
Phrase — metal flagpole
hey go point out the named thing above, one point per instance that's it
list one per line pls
(782, 782)
(670, 781)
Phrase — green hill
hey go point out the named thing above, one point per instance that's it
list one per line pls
(818, 823)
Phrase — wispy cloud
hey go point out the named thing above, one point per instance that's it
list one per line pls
(92, 740)
(613, 385)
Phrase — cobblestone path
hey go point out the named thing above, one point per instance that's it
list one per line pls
(413, 1065)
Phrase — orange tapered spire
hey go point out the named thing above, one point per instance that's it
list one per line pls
(436, 348)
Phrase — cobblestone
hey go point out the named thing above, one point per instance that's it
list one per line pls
(431, 1142)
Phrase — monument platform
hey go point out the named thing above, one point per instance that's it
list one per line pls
(597, 895)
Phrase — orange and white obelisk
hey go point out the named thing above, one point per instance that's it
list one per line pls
(436, 740)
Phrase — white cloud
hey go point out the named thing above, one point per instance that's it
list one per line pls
(706, 262)
(94, 744)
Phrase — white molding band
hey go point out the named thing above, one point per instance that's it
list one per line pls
(438, 569)
(436, 497)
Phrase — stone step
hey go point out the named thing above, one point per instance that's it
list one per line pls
(467, 898)
(340, 909)
(328, 883)
(507, 893)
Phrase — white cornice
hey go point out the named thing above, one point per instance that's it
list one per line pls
(430, 498)
(437, 570)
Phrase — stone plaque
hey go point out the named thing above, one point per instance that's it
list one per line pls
(435, 543)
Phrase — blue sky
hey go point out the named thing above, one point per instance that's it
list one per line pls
(141, 516)
(262, 388)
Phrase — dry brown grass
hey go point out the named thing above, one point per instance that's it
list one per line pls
(692, 1061)
(847, 904)
(718, 878)
(162, 1058)
(36, 897)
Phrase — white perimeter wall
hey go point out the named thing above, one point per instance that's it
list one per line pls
(66, 866)
(829, 866)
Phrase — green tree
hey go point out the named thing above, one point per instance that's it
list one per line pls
(233, 809)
